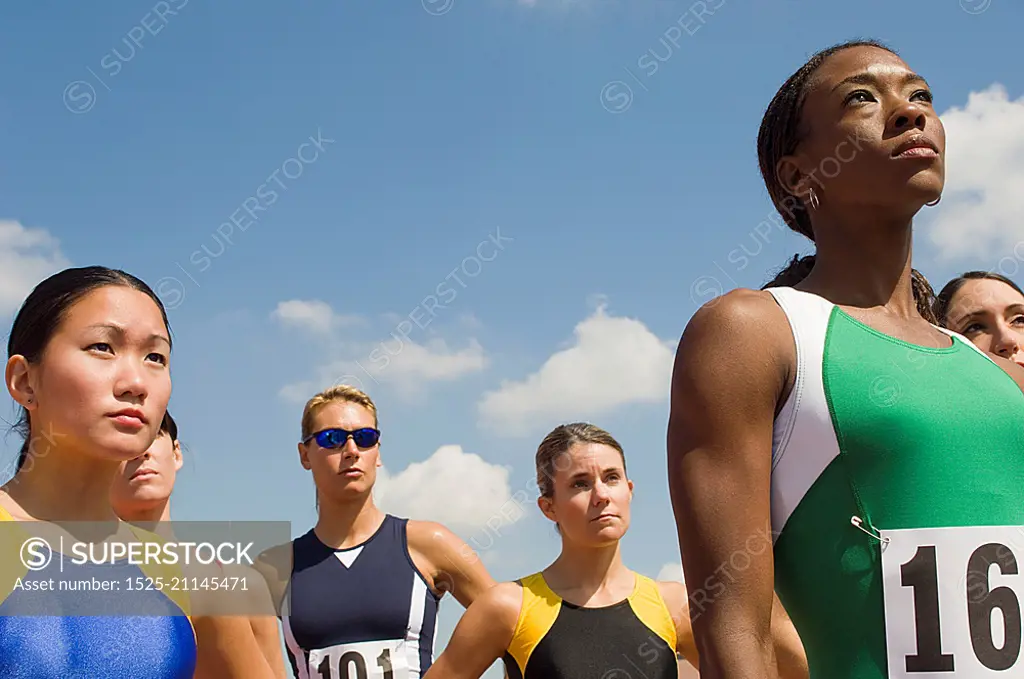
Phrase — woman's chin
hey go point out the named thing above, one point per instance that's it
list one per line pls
(927, 185)
(607, 535)
(123, 447)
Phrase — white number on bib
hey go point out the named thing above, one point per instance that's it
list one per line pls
(953, 602)
(364, 660)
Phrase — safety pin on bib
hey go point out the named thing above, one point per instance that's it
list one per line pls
(859, 524)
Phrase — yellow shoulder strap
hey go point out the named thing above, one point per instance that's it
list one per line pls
(540, 608)
(12, 542)
(650, 608)
(171, 576)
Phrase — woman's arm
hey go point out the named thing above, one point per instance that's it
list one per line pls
(227, 649)
(262, 614)
(482, 635)
(789, 650)
(226, 621)
(454, 566)
(674, 596)
(731, 370)
(268, 638)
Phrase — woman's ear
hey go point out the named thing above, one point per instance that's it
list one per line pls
(19, 382)
(177, 456)
(304, 457)
(794, 180)
(547, 507)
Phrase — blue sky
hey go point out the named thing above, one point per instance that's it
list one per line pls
(608, 147)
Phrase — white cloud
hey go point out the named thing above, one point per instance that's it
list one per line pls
(312, 315)
(408, 370)
(492, 558)
(27, 256)
(458, 489)
(982, 210)
(300, 392)
(671, 572)
(430, 362)
(398, 361)
(614, 361)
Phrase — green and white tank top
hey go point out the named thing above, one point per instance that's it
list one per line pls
(897, 503)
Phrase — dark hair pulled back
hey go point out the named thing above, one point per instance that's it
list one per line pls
(44, 310)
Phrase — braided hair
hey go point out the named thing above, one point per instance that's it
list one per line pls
(780, 133)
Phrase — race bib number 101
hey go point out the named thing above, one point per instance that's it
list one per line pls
(364, 660)
(953, 602)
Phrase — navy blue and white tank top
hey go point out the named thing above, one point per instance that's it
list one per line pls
(360, 613)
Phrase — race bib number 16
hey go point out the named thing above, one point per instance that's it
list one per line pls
(953, 602)
(364, 660)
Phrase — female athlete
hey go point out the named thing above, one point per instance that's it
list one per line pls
(586, 615)
(358, 593)
(88, 362)
(141, 494)
(848, 434)
(986, 308)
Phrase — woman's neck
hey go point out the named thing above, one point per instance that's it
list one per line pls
(341, 525)
(864, 261)
(153, 517)
(589, 571)
(58, 484)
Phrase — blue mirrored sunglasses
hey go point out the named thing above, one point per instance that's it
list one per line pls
(336, 438)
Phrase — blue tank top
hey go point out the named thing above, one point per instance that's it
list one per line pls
(363, 612)
(124, 633)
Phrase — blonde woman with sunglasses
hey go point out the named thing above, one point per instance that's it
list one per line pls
(359, 591)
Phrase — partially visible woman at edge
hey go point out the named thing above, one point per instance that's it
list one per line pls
(849, 427)
(587, 615)
(141, 494)
(88, 362)
(986, 308)
(358, 593)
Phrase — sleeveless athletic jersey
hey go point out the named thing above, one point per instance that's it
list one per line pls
(925, 446)
(122, 633)
(364, 612)
(554, 638)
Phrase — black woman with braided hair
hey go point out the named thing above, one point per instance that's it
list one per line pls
(848, 431)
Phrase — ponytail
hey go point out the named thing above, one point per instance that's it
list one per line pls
(924, 296)
(22, 457)
(23, 427)
(799, 267)
(792, 273)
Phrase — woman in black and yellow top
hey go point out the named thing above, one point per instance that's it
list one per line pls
(586, 616)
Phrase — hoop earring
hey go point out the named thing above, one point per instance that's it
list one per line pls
(813, 197)
(934, 202)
